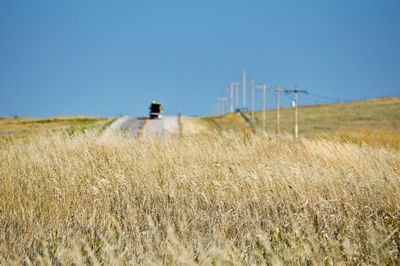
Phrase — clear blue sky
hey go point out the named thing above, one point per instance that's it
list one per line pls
(114, 57)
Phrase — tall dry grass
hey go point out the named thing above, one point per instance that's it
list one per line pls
(220, 198)
(376, 138)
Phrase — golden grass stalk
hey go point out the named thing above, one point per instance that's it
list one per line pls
(218, 198)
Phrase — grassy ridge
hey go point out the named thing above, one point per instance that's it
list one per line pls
(219, 198)
(375, 121)
(374, 115)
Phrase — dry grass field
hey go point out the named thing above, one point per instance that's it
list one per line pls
(21, 127)
(216, 198)
(222, 196)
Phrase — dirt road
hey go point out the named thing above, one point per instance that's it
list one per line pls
(167, 125)
(129, 124)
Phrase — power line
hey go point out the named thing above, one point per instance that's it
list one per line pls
(329, 98)
(323, 97)
(393, 93)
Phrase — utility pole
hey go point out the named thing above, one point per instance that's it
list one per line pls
(252, 98)
(222, 104)
(220, 108)
(231, 101)
(216, 109)
(295, 98)
(244, 89)
(295, 118)
(264, 88)
(277, 100)
(227, 98)
(237, 95)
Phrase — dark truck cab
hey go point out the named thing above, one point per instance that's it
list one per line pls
(155, 110)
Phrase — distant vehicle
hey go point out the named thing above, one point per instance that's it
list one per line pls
(155, 110)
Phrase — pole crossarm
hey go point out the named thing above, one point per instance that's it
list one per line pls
(295, 91)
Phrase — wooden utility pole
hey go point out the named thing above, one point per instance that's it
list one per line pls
(295, 109)
(227, 98)
(295, 127)
(216, 109)
(264, 88)
(222, 103)
(277, 99)
(252, 98)
(244, 82)
(237, 95)
(231, 101)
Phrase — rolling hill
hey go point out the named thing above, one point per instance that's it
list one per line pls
(374, 121)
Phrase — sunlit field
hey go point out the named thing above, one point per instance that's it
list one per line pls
(23, 127)
(216, 198)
